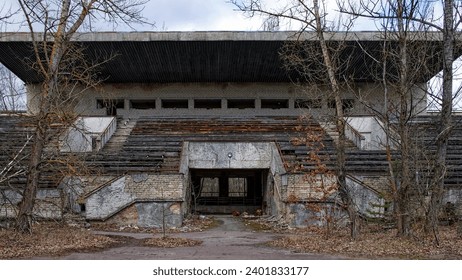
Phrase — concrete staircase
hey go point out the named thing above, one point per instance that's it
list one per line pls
(331, 130)
(120, 136)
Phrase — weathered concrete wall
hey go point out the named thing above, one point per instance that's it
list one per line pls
(48, 204)
(108, 200)
(368, 202)
(273, 198)
(141, 199)
(372, 130)
(78, 138)
(303, 196)
(303, 187)
(155, 186)
(454, 196)
(314, 214)
(369, 93)
(373, 95)
(216, 155)
(151, 214)
(302, 190)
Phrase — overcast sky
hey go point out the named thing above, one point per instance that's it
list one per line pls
(198, 15)
(181, 15)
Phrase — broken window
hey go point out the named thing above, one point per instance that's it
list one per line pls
(142, 104)
(347, 104)
(237, 187)
(210, 187)
(308, 103)
(207, 103)
(105, 103)
(111, 105)
(241, 103)
(274, 103)
(175, 103)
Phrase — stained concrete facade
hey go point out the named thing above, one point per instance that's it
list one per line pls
(138, 199)
(166, 74)
(180, 99)
(151, 197)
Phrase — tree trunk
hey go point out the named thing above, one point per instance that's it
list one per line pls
(49, 92)
(437, 188)
(340, 125)
(26, 207)
(404, 195)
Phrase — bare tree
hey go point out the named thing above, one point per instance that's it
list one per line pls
(312, 16)
(399, 19)
(437, 186)
(64, 71)
(12, 93)
(6, 13)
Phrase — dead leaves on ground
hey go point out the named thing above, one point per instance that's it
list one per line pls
(171, 242)
(374, 245)
(49, 240)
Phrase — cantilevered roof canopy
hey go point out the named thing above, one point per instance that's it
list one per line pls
(189, 57)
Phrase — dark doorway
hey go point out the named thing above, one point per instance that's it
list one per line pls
(226, 190)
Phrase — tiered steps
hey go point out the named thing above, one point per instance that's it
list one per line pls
(154, 144)
(15, 149)
(118, 139)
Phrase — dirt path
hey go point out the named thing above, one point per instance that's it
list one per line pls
(231, 240)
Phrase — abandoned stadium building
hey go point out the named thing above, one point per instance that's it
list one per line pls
(210, 122)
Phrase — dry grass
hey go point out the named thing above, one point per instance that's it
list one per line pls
(49, 239)
(171, 242)
(383, 244)
(190, 224)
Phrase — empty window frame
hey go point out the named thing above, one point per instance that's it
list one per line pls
(274, 103)
(207, 103)
(241, 103)
(347, 104)
(210, 187)
(308, 103)
(175, 103)
(110, 103)
(142, 104)
(237, 187)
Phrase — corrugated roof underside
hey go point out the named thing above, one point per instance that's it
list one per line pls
(212, 61)
(184, 62)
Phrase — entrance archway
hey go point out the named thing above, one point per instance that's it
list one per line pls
(223, 191)
(223, 177)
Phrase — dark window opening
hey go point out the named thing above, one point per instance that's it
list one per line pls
(104, 103)
(274, 103)
(94, 143)
(331, 104)
(241, 103)
(143, 104)
(207, 103)
(347, 104)
(175, 103)
(111, 105)
(308, 103)
(82, 207)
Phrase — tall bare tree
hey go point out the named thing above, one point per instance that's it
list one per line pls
(312, 16)
(400, 19)
(63, 69)
(437, 186)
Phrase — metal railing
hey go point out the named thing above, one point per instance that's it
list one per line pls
(352, 134)
(107, 133)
